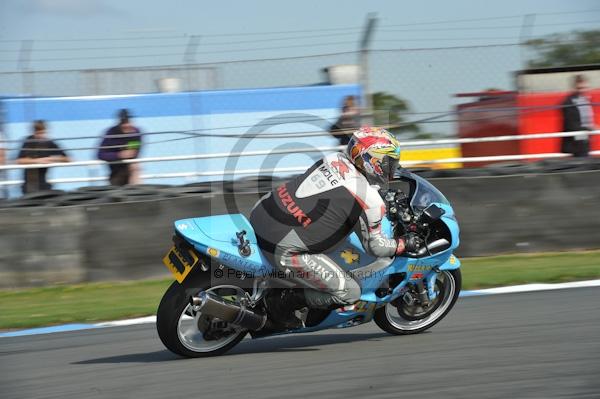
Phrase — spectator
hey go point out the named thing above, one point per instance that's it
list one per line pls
(38, 149)
(348, 121)
(122, 141)
(578, 115)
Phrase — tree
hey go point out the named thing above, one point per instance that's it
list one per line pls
(574, 48)
(388, 109)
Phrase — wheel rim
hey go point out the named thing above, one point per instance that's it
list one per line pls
(444, 298)
(192, 337)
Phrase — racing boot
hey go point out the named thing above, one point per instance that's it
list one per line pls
(281, 304)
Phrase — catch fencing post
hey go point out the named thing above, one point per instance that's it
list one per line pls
(367, 109)
(189, 58)
(524, 35)
(26, 74)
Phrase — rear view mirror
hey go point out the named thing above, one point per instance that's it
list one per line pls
(433, 212)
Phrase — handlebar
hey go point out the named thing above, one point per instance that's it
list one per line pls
(406, 222)
(433, 246)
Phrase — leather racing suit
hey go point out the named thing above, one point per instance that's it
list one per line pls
(305, 217)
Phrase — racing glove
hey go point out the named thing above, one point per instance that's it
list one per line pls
(400, 246)
(410, 243)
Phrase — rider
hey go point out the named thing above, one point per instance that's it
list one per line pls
(304, 218)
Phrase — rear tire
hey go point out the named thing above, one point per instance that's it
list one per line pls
(174, 303)
(398, 325)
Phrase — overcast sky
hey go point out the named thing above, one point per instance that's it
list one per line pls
(41, 20)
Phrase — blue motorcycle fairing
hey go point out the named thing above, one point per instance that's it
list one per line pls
(449, 218)
(371, 276)
(343, 318)
(452, 263)
(215, 237)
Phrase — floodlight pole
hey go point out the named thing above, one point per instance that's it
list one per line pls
(365, 42)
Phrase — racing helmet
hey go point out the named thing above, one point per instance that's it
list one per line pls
(375, 152)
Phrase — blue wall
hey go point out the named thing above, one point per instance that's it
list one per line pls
(211, 113)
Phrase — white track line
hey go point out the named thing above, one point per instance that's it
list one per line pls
(533, 287)
(128, 322)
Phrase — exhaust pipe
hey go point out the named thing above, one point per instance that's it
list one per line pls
(215, 306)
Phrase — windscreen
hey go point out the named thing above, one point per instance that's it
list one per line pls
(426, 194)
(422, 193)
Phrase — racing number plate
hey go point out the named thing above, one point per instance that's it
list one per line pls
(180, 262)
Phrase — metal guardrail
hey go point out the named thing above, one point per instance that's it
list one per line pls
(418, 143)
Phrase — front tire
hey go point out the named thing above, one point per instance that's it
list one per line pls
(401, 320)
(178, 330)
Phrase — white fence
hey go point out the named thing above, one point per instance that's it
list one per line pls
(414, 143)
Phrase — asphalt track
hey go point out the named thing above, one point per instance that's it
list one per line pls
(526, 345)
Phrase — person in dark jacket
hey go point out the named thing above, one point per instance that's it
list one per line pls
(578, 115)
(38, 149)
(122, 141)
(347, 122)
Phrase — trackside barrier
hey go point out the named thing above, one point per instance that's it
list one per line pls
(126, 240)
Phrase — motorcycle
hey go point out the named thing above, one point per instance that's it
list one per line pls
(222, 277)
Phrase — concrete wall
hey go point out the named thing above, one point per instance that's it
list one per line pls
(526, 213)
(506, 214)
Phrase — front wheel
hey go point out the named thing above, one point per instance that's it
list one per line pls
(189, 333)
(402, 318)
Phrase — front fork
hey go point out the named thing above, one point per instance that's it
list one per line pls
(426, 287)
(422, 293)
(431, 280)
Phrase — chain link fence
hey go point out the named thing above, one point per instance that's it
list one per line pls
(429, 79)
(113, 81)
(424, 80)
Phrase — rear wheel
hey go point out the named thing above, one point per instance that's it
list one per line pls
(402, 317)
(187, 332)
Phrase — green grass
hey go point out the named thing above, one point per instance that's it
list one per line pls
(79, 303)
(109, 301)
(497, 271)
